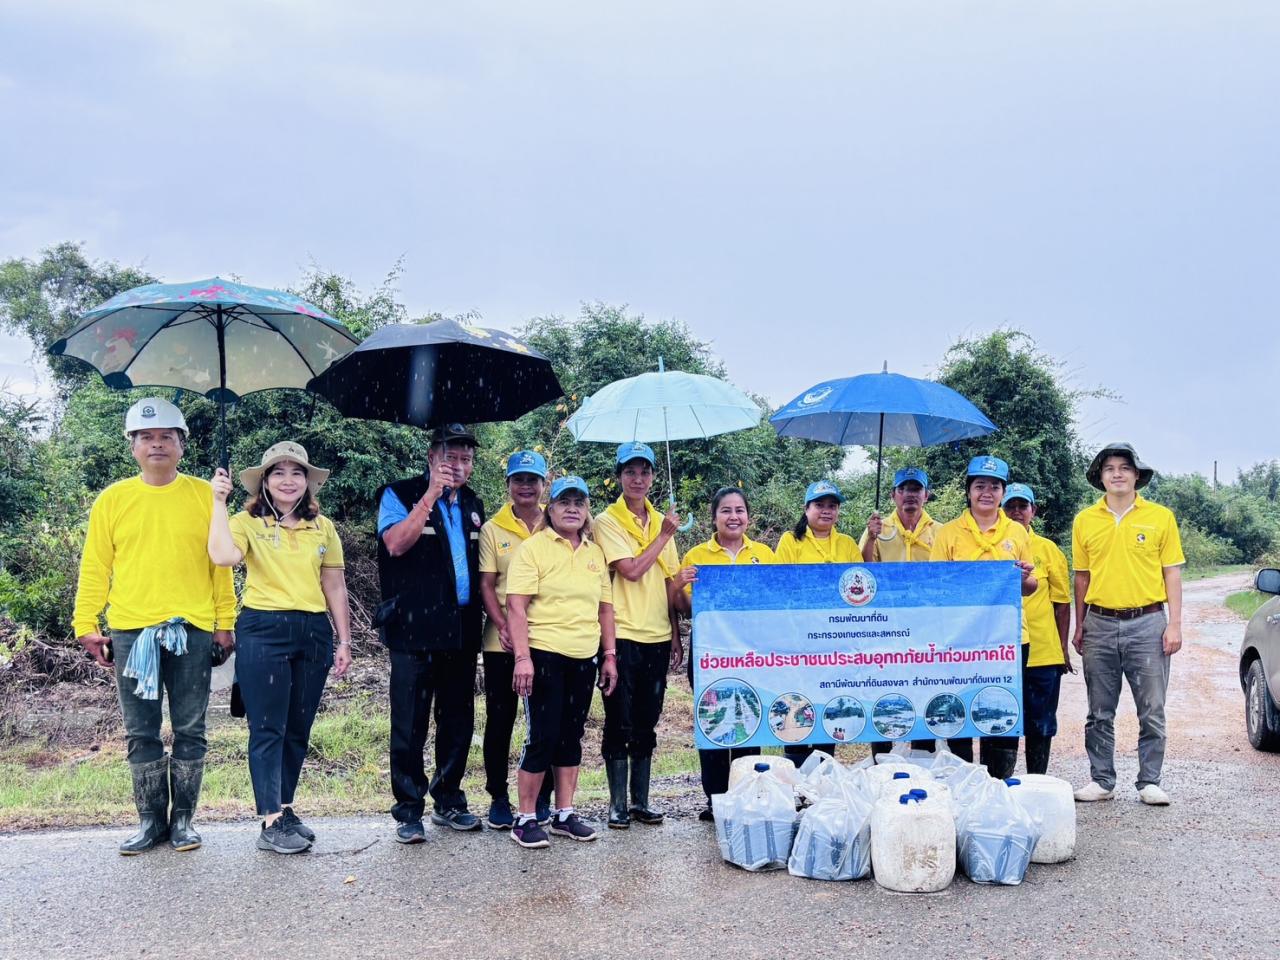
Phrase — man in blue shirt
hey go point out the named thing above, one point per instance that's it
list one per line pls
(430, 619)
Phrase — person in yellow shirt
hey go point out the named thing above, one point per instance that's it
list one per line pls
(983, 532)
(908, 534)
(815, 539)
(1046, 623)
(293, 573)
(169, 617)
(637, 543)
(499, 538)
(560, 621)
(729, 544)
(1128, 559)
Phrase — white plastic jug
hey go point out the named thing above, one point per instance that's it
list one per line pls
(890, 765)
(913, 843)
(900, 785)
(780, 768)
(1051, 804)
(756, 821)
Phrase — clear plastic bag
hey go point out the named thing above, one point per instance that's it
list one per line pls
(833, 841)
(780, 768)
(756, 821)
(821, 776)
(995, 836)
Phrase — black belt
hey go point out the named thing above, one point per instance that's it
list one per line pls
(1128, 613)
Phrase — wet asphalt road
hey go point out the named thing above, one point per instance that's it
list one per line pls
(1198, 879)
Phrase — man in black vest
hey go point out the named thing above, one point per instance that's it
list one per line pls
(430, 618)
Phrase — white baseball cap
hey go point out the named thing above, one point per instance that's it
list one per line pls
(154, 413)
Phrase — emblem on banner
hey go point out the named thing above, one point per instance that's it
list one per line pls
(857, 587)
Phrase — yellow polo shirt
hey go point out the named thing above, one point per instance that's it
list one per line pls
(959, 540)
(1126, 557)
(1040, 627)
(146, 559)
(837, 548)
(640, 607)
(282, 564)
(499, 538)
(897, 544)
(712, 554)
(565, 587)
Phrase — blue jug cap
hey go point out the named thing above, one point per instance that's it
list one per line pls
(901, 775)
(919, 794)
(1012, 781)
(761, 767)
(905, 799)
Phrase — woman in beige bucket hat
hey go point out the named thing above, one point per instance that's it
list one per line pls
(284, 641)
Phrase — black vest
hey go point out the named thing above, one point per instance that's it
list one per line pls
(419, 609)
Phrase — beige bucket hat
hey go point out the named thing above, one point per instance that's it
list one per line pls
(284, 450)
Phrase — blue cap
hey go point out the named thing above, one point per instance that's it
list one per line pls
(1018, 491)
(761, 767)
(565, 484)
(910, 473)
(901, 775)
(527, 461)
(822, 488)
(1012, 781)
(635, 451)
(989, 467)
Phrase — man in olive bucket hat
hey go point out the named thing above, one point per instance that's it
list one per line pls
(1128, 566)
(168, 605)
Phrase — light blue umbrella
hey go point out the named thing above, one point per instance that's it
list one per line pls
(663, 406)
(880, 408)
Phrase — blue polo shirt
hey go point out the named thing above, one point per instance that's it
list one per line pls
(391, 511)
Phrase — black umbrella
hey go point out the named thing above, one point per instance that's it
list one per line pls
(441, 372)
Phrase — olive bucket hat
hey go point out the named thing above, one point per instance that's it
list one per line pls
(1094, 473)
(285, 450)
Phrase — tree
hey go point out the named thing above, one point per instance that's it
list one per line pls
(1021, 391)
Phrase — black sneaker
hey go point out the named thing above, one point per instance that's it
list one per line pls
(542, 811)
(411, 832)
(572, 827)
(500, 816)
(290, 821)
(706, 816)
(528, 833)
(456, 817)
(280, 839)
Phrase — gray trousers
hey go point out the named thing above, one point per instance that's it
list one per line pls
(1131, 650)
(184, 680)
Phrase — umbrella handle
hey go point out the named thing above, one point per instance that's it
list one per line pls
(687, 526)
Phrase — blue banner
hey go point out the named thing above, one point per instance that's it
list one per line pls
(824, 653)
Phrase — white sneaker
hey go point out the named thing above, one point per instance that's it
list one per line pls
(1153, 796)
(1095, 791)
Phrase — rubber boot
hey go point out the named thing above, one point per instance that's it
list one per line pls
(999, 761)
(641, 767)
(616, 771)
(1038, 753)
(151, 796)
(186, 776)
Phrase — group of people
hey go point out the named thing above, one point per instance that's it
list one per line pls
(556, 602)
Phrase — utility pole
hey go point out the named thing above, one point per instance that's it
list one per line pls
(1215, 476)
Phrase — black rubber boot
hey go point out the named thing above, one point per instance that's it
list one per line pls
(616, 771)
(999, 761)
(151, 796)
(1038, 753)
(186, 776)
(641, 767)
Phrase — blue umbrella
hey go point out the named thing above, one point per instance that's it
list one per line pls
(214, 337)
(663, 406)
(881, 408)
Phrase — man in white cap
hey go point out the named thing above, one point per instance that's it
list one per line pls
(145, 559)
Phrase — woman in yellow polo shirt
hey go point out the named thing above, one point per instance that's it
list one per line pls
(815, 539)
(983, 532)
(560, 620)
(284, 642)
(499, 538)
(729, 544)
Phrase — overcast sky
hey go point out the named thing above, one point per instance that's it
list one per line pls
(814, 187)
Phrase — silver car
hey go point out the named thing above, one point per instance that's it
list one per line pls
(1260, 667)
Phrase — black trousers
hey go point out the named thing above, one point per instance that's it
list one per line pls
(443, 680)
(557, 710)
(500, 706)
(632, 711)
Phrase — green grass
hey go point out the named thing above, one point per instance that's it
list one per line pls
(1203, 573)
(1246, 602)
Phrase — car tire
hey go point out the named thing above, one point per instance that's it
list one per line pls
(1261, 717)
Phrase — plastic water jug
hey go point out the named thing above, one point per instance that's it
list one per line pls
(904, 782)
(756, 821)
(913, 843)
(1051, 804)
(995, 836)
(833, 841)
(780, 768)
(889, 767)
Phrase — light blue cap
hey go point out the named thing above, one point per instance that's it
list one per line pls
(1018, 491)
(988, 467)
(910, 473)
(565, 484)
(635, 451)
(822, 488)
(527, 461)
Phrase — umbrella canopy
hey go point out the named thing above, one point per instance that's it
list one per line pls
(440, 372)
(880, 408)
(214, 337)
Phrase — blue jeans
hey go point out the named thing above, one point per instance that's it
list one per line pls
(184, 680)
(282, 660)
